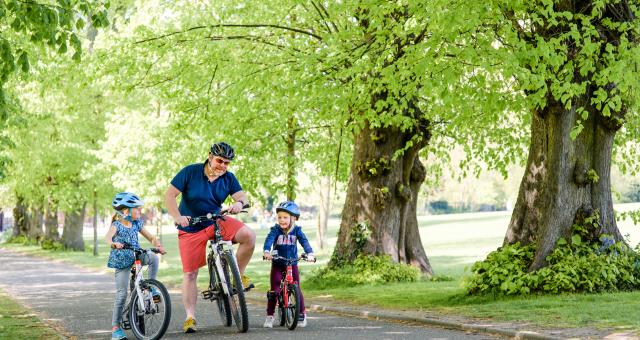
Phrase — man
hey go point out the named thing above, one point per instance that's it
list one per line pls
(204, 187)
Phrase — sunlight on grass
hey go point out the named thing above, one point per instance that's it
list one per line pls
(453, 243)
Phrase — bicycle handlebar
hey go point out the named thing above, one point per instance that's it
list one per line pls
(302, 256)
(213, 217)
(139, 250)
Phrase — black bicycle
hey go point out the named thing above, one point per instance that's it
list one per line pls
(225, 283)
(148, 311)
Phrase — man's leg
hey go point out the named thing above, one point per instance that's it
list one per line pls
(246, 239)
(190, 292)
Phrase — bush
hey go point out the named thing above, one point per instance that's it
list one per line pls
(365, 269)
(576, 266)
(52, 245)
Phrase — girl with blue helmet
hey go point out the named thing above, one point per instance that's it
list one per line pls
(284, 237)
(125, 226)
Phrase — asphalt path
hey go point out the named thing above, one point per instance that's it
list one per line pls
(79, 302)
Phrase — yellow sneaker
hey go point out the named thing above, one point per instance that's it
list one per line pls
(189, 325)
(246, 282)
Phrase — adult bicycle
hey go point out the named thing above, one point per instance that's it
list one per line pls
(148, 308)
(288, 298)
(225, 283)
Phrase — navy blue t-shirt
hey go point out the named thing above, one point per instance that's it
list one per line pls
(199, 196)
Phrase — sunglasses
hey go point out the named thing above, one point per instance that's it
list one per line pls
(222, 161)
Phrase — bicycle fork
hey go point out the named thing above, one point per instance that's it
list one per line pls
(141, 299)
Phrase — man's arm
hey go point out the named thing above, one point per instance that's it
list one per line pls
(172, 206)
(239, 199)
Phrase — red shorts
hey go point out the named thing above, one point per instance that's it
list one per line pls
(192, 245)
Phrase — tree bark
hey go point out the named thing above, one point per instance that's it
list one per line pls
(20, 219)
(558, 188)
(35, 223)
(291, 158)
(323, 213)
(51, 222)
(73, 227)
(382, 195)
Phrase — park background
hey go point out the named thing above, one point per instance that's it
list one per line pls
(380, 118)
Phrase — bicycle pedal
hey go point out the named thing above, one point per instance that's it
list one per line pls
(207, 294)
(156, 299)
(126, 324)
(249, 287)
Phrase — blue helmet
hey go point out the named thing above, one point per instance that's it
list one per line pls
(126, 200)
(289, 207)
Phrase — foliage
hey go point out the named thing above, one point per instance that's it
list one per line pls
(578, 265)
(365, 269)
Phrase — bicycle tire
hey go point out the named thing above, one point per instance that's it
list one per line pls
(222, 300)
(237, 301)
(292, 312)
(137, 318)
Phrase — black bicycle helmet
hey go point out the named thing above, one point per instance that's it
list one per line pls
(223, 150)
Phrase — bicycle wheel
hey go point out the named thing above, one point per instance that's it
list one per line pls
(222, 300)
(292, 311)
(152, 322)
(236, 298)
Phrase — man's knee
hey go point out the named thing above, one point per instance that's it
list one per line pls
(190, 276)
(246, 236)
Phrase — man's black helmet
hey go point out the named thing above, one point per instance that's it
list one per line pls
(223, 150)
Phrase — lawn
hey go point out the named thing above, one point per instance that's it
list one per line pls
(453, 243)
(17, 322)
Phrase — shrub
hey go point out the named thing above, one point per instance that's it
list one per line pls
(365, 269)
(575, 266)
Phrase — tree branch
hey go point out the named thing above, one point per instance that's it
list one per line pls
(195, 28)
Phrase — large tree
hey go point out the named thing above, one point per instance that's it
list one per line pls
(577, 62)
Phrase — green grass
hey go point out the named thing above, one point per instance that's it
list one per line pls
(16, 322)
(453, 244)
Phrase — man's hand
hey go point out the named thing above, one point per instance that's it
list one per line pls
(235, 208)
(182, 221)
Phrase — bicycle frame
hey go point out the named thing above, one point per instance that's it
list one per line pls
(137, 277)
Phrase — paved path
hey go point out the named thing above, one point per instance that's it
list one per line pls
(80, 301)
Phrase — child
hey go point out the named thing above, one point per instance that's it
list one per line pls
(285, 234)
(125, 225)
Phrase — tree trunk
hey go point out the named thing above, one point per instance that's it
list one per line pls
(35, 223)
(51, 222)
(379, 214)
(20, 219)
(323, 213)
(292, 181)
(95, 223)
(559, 187)
(73, 227)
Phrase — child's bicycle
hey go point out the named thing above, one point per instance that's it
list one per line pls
(225, 283)
(289, 297)
(148, 308)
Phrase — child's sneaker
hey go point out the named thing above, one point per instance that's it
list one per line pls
(118, 334)
(268, 323)
(302, 320)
